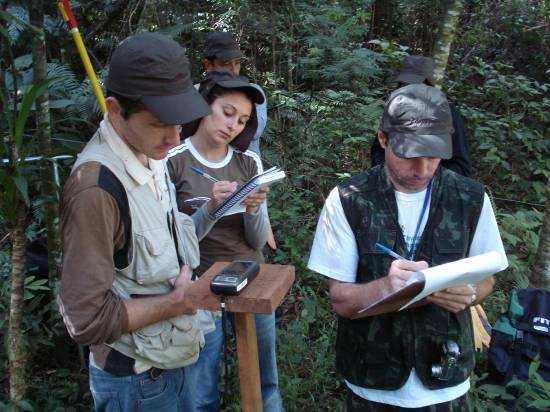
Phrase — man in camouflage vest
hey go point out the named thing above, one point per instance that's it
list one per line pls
(431, 216)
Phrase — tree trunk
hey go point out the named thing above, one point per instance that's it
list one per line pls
(43, 126)
(446, 35)
(17, 353)
(382, 22)
(540, 277)
(290, 48)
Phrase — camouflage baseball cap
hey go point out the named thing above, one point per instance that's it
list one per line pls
(417, 69)
(417, 120)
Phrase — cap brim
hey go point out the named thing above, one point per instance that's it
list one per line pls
(410, 145)
(411, 78)
(256, 95)
(229, 54)
(178, 108)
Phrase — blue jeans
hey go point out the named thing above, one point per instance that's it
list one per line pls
(140, 392)
(203, 376)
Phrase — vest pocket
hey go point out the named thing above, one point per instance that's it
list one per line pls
(431, 339)
(449, 245)
(154, 256)
(377, 261)
(370, 351)
(370, 336)
(385, 237)
(188, 244)
(156, 335)
(170, 343)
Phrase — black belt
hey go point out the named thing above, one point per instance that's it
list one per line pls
(121, 365)
(154, 373)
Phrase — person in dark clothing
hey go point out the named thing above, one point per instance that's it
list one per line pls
(430, 214)
(419, 69)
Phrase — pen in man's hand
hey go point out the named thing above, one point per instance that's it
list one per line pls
(387, 250)
(204, 174)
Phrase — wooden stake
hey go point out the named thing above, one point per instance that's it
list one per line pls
(249, 371)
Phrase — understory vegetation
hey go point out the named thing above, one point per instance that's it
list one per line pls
(327, 67)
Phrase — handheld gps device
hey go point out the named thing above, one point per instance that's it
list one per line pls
(233, 278)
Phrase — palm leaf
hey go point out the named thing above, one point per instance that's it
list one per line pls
(26, 104)
(19, 21)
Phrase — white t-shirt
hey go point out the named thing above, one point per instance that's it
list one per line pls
(334, 254)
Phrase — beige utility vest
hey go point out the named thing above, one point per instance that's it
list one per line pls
(153, 265)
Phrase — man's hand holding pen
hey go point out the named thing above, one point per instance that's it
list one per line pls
(401, 270)
(454, 299)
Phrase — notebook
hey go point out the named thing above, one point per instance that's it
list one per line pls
(233, 205)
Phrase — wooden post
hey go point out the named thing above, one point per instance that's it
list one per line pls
(249, 371)
(262, 295)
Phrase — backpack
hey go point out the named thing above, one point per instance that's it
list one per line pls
(520, 335)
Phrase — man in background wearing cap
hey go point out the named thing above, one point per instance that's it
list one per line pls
(431, 216)
(127, 252)
(221, 51)
(418, 70)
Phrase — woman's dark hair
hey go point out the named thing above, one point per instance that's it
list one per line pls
(129, 106)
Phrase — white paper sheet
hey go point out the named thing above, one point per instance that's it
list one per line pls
(460, 272)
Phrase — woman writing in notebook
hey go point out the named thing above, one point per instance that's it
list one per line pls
(217, 150)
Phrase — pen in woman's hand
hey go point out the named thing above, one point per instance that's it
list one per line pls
(204, 174)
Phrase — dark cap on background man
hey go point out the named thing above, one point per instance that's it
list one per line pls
(153, 69)
(417, 121)
(221, 45)
(417, 69)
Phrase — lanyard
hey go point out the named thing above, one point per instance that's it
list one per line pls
(412, 250)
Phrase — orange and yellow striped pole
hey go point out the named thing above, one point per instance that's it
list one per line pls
(68, 16)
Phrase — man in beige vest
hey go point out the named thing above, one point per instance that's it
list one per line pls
(127, 251)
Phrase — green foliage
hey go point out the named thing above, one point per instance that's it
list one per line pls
(307, 377)
(326, 77)
(519, 231)
(509, 124)
(17, 19)
(15, 177)
(507, 114)
(516, 395)
(335, 52)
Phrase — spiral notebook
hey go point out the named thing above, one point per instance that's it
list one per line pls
(233, 205)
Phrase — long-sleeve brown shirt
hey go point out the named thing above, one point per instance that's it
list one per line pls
(92, 231)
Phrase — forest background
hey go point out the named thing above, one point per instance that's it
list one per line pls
(327, 67)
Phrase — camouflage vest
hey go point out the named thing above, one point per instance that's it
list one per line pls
(378, 352)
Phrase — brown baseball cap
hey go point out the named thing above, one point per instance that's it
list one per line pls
(417, 69)
(418, 123)
(153, 69)
(221, 45)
